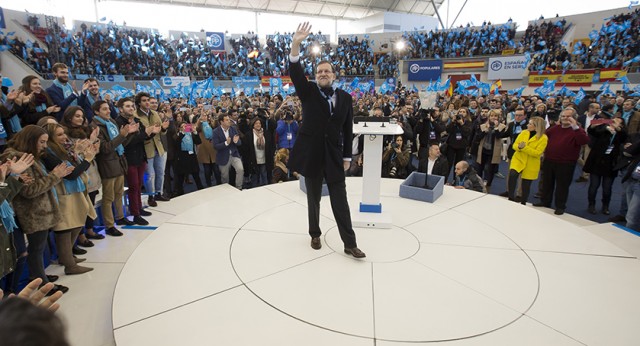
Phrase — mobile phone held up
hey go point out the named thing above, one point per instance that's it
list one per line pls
(187, 128)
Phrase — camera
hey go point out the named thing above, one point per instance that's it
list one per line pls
(394, 145)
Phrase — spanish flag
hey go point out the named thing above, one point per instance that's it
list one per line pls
(496, 86)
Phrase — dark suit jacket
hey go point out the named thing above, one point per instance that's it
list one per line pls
(324, 140)
(440, 167)
(57, 96)
(83, 101)
(224, 151)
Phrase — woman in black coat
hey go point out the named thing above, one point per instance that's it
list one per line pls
(186, 159)
(606, 141)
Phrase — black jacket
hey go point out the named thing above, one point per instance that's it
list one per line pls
(134, 145)
(324, 140)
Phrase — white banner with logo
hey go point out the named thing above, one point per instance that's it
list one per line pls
(507, 67)
(174, 81)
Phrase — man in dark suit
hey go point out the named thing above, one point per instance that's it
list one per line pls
(323, 147)
(226, 140)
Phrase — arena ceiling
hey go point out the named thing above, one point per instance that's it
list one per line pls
(337, 9)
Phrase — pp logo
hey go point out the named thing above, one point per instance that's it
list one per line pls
(496, 65)
(414, 68)
(167, 81)
(216, 40)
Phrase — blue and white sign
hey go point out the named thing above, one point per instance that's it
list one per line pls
(245, 81)
(425, 70)
(506, 68)
(216, 40)
(174, 81)
(102, 77)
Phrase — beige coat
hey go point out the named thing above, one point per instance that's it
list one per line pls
(74, 207)
(497, 143)
(205, 151)
(150, 145)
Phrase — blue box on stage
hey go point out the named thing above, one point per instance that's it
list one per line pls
(303, 187)
(413, 187)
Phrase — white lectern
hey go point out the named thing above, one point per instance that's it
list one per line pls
(370, 213)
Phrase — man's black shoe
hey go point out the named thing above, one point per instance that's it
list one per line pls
(124, 222)
(161, 198)
(112, 231)
(152, 202)
(144, 213)
(138, 220)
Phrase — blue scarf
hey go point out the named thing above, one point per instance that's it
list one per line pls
(91, 100)
(113, 131)
(208, 131)
(626, 116)
(67, 91)
(517, 127)
(14, 121)
(73, 186)
(53, 190)
(3, 132)
(187, 143)
(7, 215)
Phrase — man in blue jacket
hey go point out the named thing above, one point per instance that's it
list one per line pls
(62, 93)
(227, 141)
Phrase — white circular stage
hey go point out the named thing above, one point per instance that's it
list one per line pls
(235, 268)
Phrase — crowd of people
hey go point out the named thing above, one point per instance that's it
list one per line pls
(461, 42)
(112, 49)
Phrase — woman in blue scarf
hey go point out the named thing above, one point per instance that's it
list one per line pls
(33, 102)
(73, 199)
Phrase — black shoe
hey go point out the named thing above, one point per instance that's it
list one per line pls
(605, 210)
(78, 251)
(581, 180)
(152, 202)
(114, 232)
(540, 204)
(505, 194)
(52, 278)
(592, 209)
(85, 243)
(56, 288)
(162, 198)
(95, 235)
(138, 220)
(144, 213)
(559, 211)
(355, 252)
(316, 244)
(124, 222)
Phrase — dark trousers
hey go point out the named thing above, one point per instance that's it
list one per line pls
(13, 278)
(135, 174)
(556, 176)
(513, 183)
(88, 224)
(178, 187)
(453, 157)
(339, 205)
(594, 184)
(208, 173)
(35, 258)
(486, 167)
(168, 167)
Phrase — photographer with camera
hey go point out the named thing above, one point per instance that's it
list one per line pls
(395, 159)
(287, 129)
(428, 131)
(459, 136)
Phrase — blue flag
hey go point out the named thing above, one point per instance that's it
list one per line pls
(579, 96)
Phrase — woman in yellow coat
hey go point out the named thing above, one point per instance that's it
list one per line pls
(529, 147)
